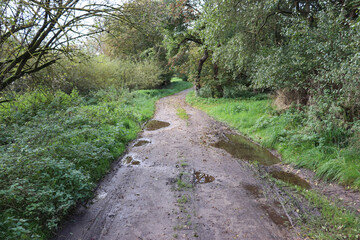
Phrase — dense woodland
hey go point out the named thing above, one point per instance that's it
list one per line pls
(68, 67)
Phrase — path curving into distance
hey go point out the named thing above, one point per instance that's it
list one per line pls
(175, 183)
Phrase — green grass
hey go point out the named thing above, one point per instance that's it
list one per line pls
(182, 114)
(54, 148)
(334, 221)
(288, 133)
(181, 184)
(183, 199)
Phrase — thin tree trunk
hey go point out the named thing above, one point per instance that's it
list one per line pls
(200, 66)
(219, 88)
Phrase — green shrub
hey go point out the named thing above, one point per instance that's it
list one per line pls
(55, 147)
(88, 74)
(321, 145)
(101, 72)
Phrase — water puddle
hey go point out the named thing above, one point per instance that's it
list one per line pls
(135, 162)
(141, 143)
(203, 178)
(253, 190)
(101, 195)
(155, 125)
(290, 178)
(240, 147)
(130, 161)
(257, 192)
(278, 219)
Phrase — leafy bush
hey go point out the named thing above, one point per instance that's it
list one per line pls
(88, 74)
(54, 148)
(101, 72)
(332, 152)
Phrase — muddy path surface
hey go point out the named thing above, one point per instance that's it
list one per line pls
(175, 183)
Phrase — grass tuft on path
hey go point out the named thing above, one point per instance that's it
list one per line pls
(182, 114)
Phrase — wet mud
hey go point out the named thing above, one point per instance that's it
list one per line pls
(254, 190)
(155, 125)
(241, 148)
(278, 218)
(130, 161)
(290, 178)
(158, 199)
(203, 178)
(141, 143)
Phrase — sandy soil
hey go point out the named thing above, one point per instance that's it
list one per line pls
(155, 194)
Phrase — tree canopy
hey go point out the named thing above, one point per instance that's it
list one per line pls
(33, 34)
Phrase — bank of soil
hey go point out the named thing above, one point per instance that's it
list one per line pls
(177, 182)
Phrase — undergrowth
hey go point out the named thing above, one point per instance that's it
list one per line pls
(333, 223)
(333, 154)
(54, 148)
(330, 222)
(292, 134)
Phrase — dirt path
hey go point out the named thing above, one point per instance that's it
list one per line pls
(157, 191)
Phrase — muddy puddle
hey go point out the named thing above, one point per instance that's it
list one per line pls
(203, 178)
(155, 125)
(240, 147)
(253, 190)
(141, 143)
(278, 219)
(290, 178)
(130, 161)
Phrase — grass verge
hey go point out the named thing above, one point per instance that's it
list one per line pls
(323, 219)
(287, 132)
(54, 148)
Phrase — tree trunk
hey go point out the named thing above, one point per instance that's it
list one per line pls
(200, 66)
(219, 88)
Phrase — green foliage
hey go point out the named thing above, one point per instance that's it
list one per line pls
(330, 220)
(334, 222)
(182, 114)
(309, 52)
(54, 148)
(184, 199)
(181, 184)
(94, 73)
(140, 35)
(331, 152)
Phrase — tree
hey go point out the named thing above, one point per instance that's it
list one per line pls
(35, 33)
(140, 37)
(141, 31)
(182, 32)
